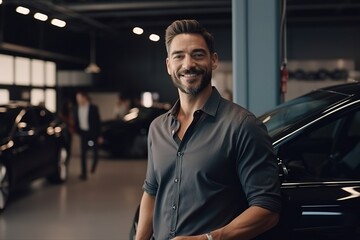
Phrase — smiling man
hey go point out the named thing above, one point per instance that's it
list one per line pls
(211, 172)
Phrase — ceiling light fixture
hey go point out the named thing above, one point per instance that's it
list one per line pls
(22, 10)
(154, 37)
(58, 22)
(138, 30)
(93, 67)
(40, 16)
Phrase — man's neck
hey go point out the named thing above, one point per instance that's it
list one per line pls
(190, 103)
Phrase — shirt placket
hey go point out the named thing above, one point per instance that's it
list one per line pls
(175, 203)
(178, 173)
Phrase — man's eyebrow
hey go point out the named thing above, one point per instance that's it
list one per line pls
(177, 52)
(194, 50)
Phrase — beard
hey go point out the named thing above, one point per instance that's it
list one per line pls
(195, 89)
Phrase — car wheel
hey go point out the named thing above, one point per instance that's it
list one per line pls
(4, 186)
(60, 174)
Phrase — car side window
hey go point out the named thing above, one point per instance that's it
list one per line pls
(27, 122)
(330, 151)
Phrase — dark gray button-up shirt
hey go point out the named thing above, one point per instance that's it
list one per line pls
(224, 164)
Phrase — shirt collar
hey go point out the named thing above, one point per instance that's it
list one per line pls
(209, 108)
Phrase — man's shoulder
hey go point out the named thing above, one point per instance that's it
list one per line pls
(161, 119)
(234, 111)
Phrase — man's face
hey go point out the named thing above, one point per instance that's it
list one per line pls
(81, 100)
(190, 63)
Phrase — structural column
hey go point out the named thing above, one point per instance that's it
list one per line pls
(256, 54)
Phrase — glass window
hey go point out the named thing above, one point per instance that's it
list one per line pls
(330, 151)
(7, 120)
(295, 110)
(27, 122)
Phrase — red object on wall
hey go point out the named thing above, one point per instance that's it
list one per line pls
(284, 78)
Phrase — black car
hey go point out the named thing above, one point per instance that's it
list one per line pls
(34, 144)
(127, 137)
(317, 141)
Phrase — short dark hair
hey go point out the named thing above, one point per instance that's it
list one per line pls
(188, 26)
(84, 94)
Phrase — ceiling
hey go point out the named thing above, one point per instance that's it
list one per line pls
(111, 18)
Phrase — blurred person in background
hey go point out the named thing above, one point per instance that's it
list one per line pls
(122, 106)
(87, 124)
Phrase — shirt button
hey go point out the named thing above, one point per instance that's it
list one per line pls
(179, 154)
(174, 207)
(176, 180)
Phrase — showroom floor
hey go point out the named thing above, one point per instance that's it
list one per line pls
(100, 208)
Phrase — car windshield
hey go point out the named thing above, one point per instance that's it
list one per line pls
(294, 110)
(7, 120)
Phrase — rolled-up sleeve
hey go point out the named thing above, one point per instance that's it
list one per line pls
(256, 165)
(150, 184)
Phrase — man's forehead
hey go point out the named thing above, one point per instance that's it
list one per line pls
(188, 41)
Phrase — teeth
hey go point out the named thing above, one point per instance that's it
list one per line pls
(189, 75)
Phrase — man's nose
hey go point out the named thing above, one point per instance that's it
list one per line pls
(188, 62)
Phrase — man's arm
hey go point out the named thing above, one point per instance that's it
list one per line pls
(145, 223)
(249, 224)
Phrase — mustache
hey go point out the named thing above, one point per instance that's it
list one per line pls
(193, 70)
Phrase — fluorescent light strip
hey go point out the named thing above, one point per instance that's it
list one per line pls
(58, 22)
(22, 10)
(40, 16)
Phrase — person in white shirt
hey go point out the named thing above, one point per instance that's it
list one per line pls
(88, 125)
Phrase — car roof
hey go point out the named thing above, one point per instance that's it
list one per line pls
(351, 92)
(18, 104)
(352, 88)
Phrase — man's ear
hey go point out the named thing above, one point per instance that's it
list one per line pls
(167, 66)
(214, 61)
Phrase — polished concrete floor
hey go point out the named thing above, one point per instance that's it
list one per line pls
(100, 208)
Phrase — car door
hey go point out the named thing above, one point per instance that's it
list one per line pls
(321, 192)
(25, 152)
(45, 137)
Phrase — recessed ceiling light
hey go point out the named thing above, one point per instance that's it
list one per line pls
(58, 22)
(40, 16)
(154, 37)
(138, 30)
(22, 10)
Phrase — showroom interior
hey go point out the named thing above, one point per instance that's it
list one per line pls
(93, 46)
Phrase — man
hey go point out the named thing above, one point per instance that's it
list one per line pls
(212, 173)
(87, 125)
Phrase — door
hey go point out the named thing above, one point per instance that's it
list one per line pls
(322, 190)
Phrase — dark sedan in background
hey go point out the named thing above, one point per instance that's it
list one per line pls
(127, 137)
(34, 144)
(317, 141)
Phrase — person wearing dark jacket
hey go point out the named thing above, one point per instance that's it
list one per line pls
(87, 124)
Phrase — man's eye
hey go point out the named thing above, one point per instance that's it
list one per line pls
(198, 55)
(177, 56)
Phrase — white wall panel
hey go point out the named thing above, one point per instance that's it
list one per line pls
(50, 74)
(7, 69)
(37, 73)
(22, 71)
